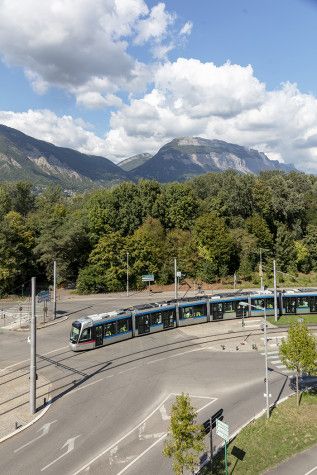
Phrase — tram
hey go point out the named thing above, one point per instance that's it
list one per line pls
(106, 328)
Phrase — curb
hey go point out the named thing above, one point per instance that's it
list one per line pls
(41, 414)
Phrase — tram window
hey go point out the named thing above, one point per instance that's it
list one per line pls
(269, 303)
(187, 312)
(156, 318)
(75, 332)
(258, 302)
(229, 306)
(199, 310)
(110, 329)
(123, 325)
(302, 302)
(86, 334)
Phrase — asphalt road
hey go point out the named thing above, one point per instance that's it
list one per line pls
(110, 406)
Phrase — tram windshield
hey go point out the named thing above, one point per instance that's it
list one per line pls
(74, 334)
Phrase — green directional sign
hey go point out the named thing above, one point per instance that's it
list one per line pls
(148, 278)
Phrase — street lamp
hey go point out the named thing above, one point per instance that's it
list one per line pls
(245, 304)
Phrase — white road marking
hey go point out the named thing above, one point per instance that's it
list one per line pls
(281, 366)
(275, 361)
(164, 414)
(121, 439)
(311, 471)
(178, 354)
(113, 446)
(129, 369)
(45, 430)
(83, 387)
(270, 353)
(162, 437)
(70, 444)
(25, 361)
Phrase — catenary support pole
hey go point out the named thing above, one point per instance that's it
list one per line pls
(267, 396)
(33, 350)
(275, 291)
(127, 274)
(54, 289)
(175, 277)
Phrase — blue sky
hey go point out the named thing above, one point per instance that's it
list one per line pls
(118, 80)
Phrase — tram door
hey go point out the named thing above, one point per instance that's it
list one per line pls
(143, 324)
(99, 335)
(290, 304)
(241, 311)
(168, 319)
(217, 311)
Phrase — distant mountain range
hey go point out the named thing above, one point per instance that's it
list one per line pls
(186, 157)
(25, 158)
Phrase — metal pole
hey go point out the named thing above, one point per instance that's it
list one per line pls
(261, 272)
(54, 290)
(175, 277)
(226, 461)
(275, 292)
(266, 369)
(127, 274)
(211, 451)
(33, 350)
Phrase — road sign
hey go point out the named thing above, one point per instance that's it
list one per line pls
(43, 296)
(179, 274)
(148, 278)
(222, 429)
(300, 320)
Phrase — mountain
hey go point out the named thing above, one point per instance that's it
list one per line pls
(186, 157)
(25, 158)
(131, 163)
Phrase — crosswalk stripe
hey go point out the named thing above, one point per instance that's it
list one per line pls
(275, 361)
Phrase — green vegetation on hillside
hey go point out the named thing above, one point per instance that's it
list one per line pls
(214, 224)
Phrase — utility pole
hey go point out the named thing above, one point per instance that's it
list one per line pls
(54, 290)
(267, 396)
(275, 291)
(33, 350)
(175, 277)
(261, 271)
(127, 274)
(234, 281)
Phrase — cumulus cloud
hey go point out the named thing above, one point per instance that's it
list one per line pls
(74, 44)
(225, 102)
(155, 26)
(64, 131)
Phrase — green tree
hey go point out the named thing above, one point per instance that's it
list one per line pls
(106, 270)
(16, 257)
(179, 206)
(246, 245)
(215, 247)
(146, 248)
(299, 352)
(285, 251)
(186, 438)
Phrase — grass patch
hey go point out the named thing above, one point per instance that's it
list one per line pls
(288, 319)
(267, 443)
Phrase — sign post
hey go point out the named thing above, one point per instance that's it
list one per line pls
(148, 278)
(222, 429)
(44, 296)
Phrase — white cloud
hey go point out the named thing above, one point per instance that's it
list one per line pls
(155, 26)
(226, 102)
(63, 131)
(79, 44)
(186, 29)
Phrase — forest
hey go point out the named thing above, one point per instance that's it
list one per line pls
(214, 224)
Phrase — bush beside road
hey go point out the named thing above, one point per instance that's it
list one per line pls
(264, 444)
